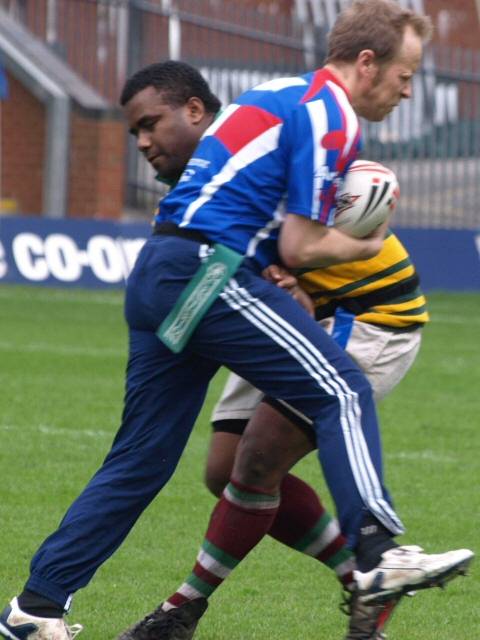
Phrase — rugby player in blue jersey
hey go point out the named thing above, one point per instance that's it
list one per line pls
(259, 188)
(384, 350)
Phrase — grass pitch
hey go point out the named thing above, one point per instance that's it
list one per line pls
(63, 356)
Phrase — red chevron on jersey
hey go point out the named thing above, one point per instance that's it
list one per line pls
(320, 78)
(244, 125)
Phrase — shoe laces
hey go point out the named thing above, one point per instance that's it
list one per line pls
(347, 607)
(73, 631)
(409, 548)
(156, 623)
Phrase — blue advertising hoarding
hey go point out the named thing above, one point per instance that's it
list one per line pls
(73, 253)
(446, 259)
(3, 83)
(100, 254)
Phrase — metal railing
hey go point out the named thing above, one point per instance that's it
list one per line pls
(432, 141)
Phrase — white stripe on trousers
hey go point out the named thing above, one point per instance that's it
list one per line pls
(323, 372)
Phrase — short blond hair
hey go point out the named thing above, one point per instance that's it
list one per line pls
(378, 25)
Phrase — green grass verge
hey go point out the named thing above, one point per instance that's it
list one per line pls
(62, 357)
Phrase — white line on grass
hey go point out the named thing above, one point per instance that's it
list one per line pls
(427, 455)
(439, 319)
(47, 295)
(63, 350)
(56, 431)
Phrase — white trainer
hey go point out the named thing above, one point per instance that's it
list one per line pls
(408, 568)
(17, 625)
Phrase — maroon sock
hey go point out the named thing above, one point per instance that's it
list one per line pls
(241, 518)
(303, 523)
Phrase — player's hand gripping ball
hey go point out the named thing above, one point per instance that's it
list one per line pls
(368, 196)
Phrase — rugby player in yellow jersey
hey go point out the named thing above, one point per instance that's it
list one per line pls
(374, 306)
(375, 310)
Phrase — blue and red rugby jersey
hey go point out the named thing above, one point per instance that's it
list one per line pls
(283, 146)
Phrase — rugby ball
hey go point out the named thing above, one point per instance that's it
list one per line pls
(368, 196)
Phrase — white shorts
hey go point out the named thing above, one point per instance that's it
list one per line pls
(384, 355)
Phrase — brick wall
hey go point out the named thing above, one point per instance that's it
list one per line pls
(96, 158)
(456, 22)
(22, 148)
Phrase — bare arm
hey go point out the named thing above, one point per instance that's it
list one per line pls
(285, 280)
(306, 243)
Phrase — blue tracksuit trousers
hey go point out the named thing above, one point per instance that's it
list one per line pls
(258, 331)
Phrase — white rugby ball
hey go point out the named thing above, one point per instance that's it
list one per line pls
(368, 196)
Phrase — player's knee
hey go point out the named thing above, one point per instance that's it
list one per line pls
(216, 479)
(221, 455)
(254, 466)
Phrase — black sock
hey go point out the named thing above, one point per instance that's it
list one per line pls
(36, 605)
(374, 539)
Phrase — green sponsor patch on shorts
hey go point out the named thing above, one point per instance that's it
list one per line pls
(198, 296)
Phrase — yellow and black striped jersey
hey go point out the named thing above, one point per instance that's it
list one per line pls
(383, 290)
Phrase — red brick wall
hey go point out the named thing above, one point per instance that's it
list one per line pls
(97, 164)
(22, 150)
(111, 167)
(96, 158)
(456, 22)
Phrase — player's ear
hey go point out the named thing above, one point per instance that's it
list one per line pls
(367, 64)
(195, 109)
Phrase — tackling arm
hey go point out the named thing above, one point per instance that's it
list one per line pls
(285, 280)
(307, 243)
